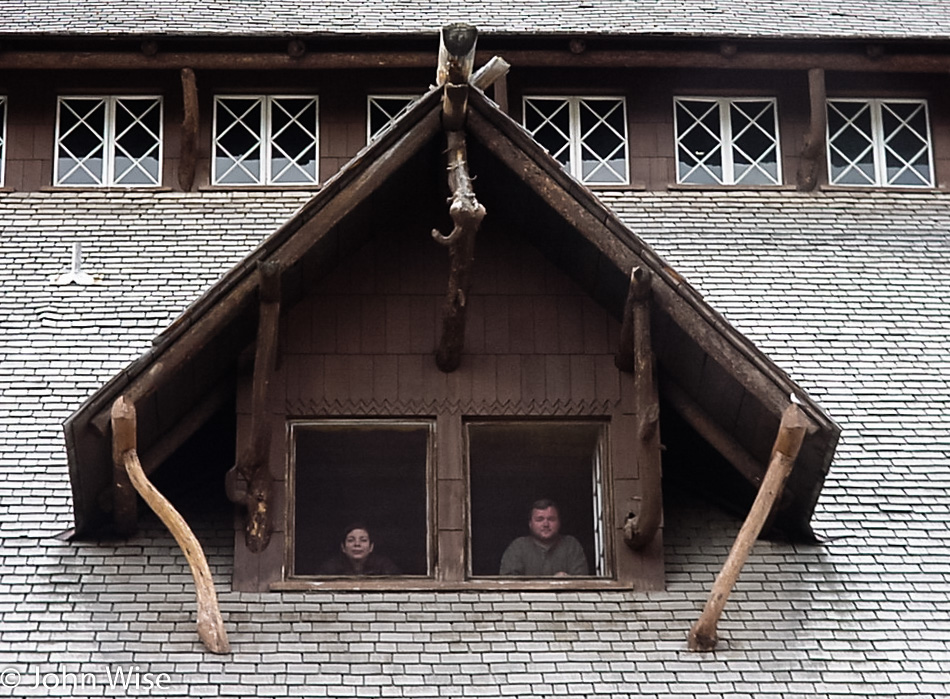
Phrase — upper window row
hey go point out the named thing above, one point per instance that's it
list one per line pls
(274, 140)
(723, 141)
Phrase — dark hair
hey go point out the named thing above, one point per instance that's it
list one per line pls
(353, 526)
(543, 504)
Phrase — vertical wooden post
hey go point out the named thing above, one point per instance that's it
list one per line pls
(456, 56)
(210, 625)
(814, 145)
(791, 433)
(189, 130)
(124, 501)
(254, 463)
(636, 355)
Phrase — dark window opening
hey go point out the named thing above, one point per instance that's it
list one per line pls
(513, 464)
(373, 473)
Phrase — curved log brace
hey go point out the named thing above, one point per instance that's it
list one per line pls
(636, 355)
(788, 442)
(210, 625)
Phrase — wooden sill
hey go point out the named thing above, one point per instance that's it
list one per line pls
(108, 190)
(731, 188)
(838, 188)
(261, 188)
(404, 584)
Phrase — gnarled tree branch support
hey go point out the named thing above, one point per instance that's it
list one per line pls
(636, 355)
(456, 56)
(210, 625)
(814, 145)
(791, 433)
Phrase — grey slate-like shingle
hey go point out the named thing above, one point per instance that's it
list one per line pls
(768, 18)
(849, 292)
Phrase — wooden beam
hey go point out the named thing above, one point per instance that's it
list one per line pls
(496, 69)
(189, 130)
(640, 528)
(814, 144)
(124, 500)
(523, 58)
(467, 214)
(702, 636)
(253, 464)
(210, 625)
(707, 428)
(456, 54)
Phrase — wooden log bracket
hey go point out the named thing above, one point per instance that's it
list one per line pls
(636, 355)
(210, 625)
(456, 58)
(791, 433)
(814, 144)
(253, 464)
(189, 130)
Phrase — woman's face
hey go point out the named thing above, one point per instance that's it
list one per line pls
(357, 545)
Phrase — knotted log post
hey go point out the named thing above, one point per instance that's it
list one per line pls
(253, 464)
(636, 355)
(456, 57)
(189, 130)
(814, 144)
(791, 433)
(210, 625)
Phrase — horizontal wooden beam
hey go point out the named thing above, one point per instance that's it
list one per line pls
(521, 58)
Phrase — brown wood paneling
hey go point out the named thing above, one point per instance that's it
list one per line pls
(409, 369)
(532, 379)
(398, 319)
(372, 325)
(497, 332)
(484, 368)
(297, 329)
(509, 378)
(422, 323)
(570, 324)
(557, 377)
(385, 378)
(545, 324)
(348, 324)
(583, 378)
(361, 377)
(336, 377)
(323, 324)
(607, 378)
(475, 326)
(521, 324)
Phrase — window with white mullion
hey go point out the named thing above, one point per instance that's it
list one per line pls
(262, 140)
(874, 142)
(108, 141)
(383, 110)
(726, 141)
(587, 135)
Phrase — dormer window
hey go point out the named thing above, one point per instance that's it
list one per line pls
(108, 141)
(727, 141)
(265, 140)
(883, 143)
(587, 135)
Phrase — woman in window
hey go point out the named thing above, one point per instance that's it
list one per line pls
(356, 555)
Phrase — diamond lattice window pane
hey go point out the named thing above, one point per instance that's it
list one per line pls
(137, 139)
(851, 143)
(906, 150)
(293, 140)
(754, 142)
(699, 142)
(80, 145)
(549, 121)
(603, 141)
(383, 111)
(238, 143)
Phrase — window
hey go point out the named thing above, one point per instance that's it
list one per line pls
(513, 464)
(882, 143)
(368, 471)
(3, 137)
(721, 141)
(265, 140)
(108, 141)
(587, 135)
(383, 110)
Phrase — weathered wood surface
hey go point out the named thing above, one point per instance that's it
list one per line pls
(253, 463)
(456, 54)
(636, 355)
(124, 500)
(814, 143)
(467, 214)
(744, 59)
(486, 76)
(210, 624)
(189, 130)
(788, 442)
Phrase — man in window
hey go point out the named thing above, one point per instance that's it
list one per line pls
(545, 552)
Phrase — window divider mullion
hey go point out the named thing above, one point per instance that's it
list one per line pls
(725, 142)
(877, 141)
(574, 110)
(108, 141)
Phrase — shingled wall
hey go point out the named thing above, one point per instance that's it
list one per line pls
(847, 292)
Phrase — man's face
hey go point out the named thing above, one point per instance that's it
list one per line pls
(545, 524)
